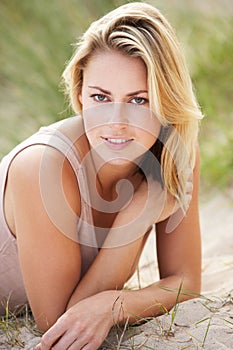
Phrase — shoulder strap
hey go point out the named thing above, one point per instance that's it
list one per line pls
(45, 136)
(54, 138)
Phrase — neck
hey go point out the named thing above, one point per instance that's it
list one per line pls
(110, 175)
(107, 176)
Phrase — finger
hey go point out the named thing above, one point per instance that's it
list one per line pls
(189, 174)
(38, 347)
(89, 346)
(69, 338)
(79, 344)
(189, 187)
(76, 346)
(188, 199)
(52, 336)
(90, 340)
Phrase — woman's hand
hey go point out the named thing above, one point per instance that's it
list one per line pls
(85, 325)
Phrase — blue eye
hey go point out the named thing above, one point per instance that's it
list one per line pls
(139, 100)
(99, 98)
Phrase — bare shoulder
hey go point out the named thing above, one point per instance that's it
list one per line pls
(26, 162)
(40, 166)
(73, 128)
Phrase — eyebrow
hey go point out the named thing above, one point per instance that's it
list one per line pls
(109, 92)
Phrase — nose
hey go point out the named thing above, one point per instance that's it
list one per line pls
(118, 115)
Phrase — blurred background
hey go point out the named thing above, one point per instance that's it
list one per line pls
(36, 42)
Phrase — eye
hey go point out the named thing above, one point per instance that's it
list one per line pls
(139, 100)
(99, 97)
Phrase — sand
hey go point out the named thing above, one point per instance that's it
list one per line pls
(201, 323)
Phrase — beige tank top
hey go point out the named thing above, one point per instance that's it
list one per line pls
(11, 281)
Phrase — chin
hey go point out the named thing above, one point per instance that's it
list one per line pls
(118, 162)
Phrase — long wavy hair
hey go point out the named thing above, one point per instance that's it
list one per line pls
(140, 30)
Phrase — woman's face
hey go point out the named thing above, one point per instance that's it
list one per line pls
(117, 119)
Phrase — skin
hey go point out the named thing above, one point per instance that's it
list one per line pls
(79, 313)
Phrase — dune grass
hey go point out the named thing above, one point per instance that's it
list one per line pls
(11, 327)
(36, 38)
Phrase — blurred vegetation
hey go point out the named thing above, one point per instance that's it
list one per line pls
(36, 38)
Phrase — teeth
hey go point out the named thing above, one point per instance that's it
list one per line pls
(117, 141)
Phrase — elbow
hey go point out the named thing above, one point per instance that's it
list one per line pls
(43, 324)
(42, 328)
(191, 287)
(44, 321)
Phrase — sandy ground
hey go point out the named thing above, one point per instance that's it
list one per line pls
(202, 323)
(216, 220)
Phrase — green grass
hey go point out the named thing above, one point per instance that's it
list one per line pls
(11, 327)
(36, 41)
(213, 76)
(207, 38)
(36, 38)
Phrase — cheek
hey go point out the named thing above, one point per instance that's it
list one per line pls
(94, 136)
(148, 134)
(92, 125)
(147, 139)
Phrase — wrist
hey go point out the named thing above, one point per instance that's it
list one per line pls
(115, 301)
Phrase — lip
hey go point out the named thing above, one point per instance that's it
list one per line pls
(116, 142)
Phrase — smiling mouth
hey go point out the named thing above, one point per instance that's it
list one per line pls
(116, 141)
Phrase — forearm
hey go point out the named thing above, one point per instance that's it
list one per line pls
(131, 306)
(134, 305)
(110, 270)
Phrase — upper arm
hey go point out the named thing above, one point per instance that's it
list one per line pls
(179, 252)
(45, 198)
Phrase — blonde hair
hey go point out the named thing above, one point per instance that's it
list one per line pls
(140, 30)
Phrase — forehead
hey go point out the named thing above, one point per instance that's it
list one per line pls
(114, 67)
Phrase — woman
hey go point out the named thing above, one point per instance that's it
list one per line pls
(80, 197)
